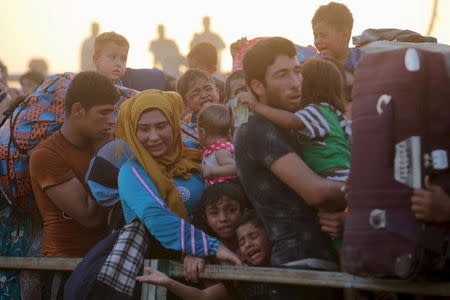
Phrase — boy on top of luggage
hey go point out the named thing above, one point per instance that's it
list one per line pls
(110, 55)
(332, 28)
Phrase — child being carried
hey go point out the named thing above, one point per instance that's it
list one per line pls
(320, 125)
(214, 132)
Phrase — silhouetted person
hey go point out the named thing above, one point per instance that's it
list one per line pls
(30, 81)
(210, 37)
(3, 73)
(87, 50)
(38, 65)
(166, 54)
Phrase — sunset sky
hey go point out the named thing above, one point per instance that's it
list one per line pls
(54, 29)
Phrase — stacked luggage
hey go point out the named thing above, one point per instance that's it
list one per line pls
(401, 133)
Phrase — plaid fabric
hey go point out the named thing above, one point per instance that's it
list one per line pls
(36, 118)
(126, 258)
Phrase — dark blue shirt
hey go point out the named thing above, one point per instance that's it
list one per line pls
(292, 225)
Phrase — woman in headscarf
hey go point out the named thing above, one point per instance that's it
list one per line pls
(161, 185)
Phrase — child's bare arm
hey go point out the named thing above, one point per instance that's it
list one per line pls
(216, 291)
(227, 165)
(281, 118)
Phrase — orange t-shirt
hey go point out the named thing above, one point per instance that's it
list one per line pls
(52, 162)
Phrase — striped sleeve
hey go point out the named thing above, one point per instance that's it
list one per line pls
(140, 194)
(316, 126)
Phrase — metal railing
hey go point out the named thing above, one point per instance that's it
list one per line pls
(255, 274)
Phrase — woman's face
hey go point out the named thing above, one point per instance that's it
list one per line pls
(155, 133)
(201, 93)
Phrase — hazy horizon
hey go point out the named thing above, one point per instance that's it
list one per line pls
(55, 30)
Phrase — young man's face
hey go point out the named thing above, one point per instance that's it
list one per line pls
(97, 123)
(330, 41)
(282, 88)
(201, 93)
(111, 61)
(254, 244)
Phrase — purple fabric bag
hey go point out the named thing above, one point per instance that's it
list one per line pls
(401, 132)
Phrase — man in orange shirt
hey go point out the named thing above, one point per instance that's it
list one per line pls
(73, 221)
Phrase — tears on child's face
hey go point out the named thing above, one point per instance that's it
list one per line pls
(254, 244)
(222, 216)
(111, 61)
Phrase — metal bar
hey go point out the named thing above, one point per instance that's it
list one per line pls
(269, 275)
(147, 289)
(313, 278)
(160, 292)
(150, 291)
(39, 263)
(56, 285)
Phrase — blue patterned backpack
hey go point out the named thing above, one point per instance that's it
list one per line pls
(37, 117)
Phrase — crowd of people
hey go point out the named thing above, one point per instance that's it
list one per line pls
(270, 192)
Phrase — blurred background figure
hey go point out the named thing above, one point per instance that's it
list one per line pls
(210, 37)
(38, 65)
(166, 55)
(87, 49)
(3, 73)
(5, 102)
(7, 93)
(30, 81)
(203, 56)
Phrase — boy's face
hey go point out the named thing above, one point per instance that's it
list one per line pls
(222, 216)
(330, 41)
(111, 61)
(201, 93)
(254, 244)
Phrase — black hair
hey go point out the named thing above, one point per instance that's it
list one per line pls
(263, 54)
(90, 89)
(249, 216)
(322, 82)
(216, 120)
(213, 194)
(205, 54)
(233, 76)
(344, 70)
(334, 14)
